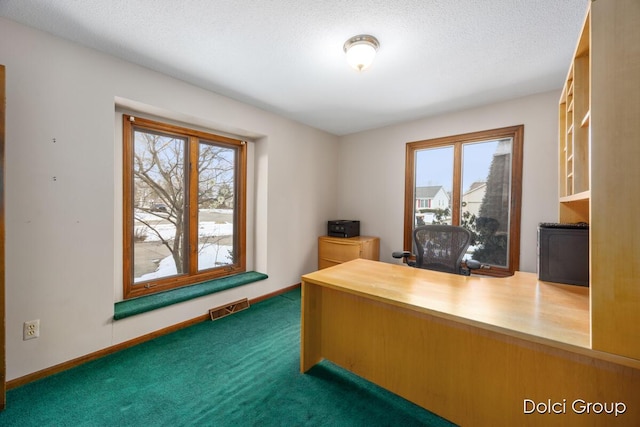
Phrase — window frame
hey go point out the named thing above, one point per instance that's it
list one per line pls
(457, 141)
(192, 276)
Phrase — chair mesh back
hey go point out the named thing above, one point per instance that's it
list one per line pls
(441, 247)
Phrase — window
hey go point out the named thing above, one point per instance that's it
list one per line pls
(184, 206)
(473, 180)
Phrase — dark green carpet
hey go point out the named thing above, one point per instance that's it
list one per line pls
(242, 370)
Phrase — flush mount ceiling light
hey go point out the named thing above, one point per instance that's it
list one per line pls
(361, 50)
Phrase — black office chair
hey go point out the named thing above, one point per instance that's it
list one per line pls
(441, 248)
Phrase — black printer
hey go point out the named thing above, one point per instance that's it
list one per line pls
(343, 228)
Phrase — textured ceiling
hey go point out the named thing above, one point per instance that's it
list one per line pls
(286, 56)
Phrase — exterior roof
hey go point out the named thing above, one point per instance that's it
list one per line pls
(428, 192)
(476, 186)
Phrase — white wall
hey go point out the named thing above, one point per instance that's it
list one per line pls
(63, 234)
(372, 168)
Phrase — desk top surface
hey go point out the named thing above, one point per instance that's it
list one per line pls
(519, 305)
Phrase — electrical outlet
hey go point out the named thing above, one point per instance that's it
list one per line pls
(31, 329)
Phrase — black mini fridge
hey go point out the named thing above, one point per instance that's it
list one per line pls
(563, 253)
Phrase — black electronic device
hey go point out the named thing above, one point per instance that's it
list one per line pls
(563, 253)
(343, 228)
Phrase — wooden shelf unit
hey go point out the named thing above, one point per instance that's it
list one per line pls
(599, 151)
(574, 132)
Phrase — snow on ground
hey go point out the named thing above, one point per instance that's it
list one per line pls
(168, 230)
(209, 254)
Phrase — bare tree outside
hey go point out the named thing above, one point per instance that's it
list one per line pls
(160, 205)
(216, 191)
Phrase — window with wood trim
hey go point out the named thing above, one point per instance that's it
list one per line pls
(473, 180)
(184, 206)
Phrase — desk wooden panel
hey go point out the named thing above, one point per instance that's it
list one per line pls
(467, 348)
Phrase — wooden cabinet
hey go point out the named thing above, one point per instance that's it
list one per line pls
(336, 250)
(599, 141)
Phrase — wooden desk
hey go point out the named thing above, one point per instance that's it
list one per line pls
(473, 350)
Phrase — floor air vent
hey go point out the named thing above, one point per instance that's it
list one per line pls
(225, 310)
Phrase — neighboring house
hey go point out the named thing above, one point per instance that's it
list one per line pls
(472, 198)
(429, 200)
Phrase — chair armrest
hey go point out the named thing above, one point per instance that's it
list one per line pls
(473, 264)
(401, 254)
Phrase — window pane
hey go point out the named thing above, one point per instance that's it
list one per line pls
(159, 206)
(485, 201)
(216, 206)
(433, 184)
(481, 172)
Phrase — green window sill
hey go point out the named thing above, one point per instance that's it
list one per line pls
(134, 306)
